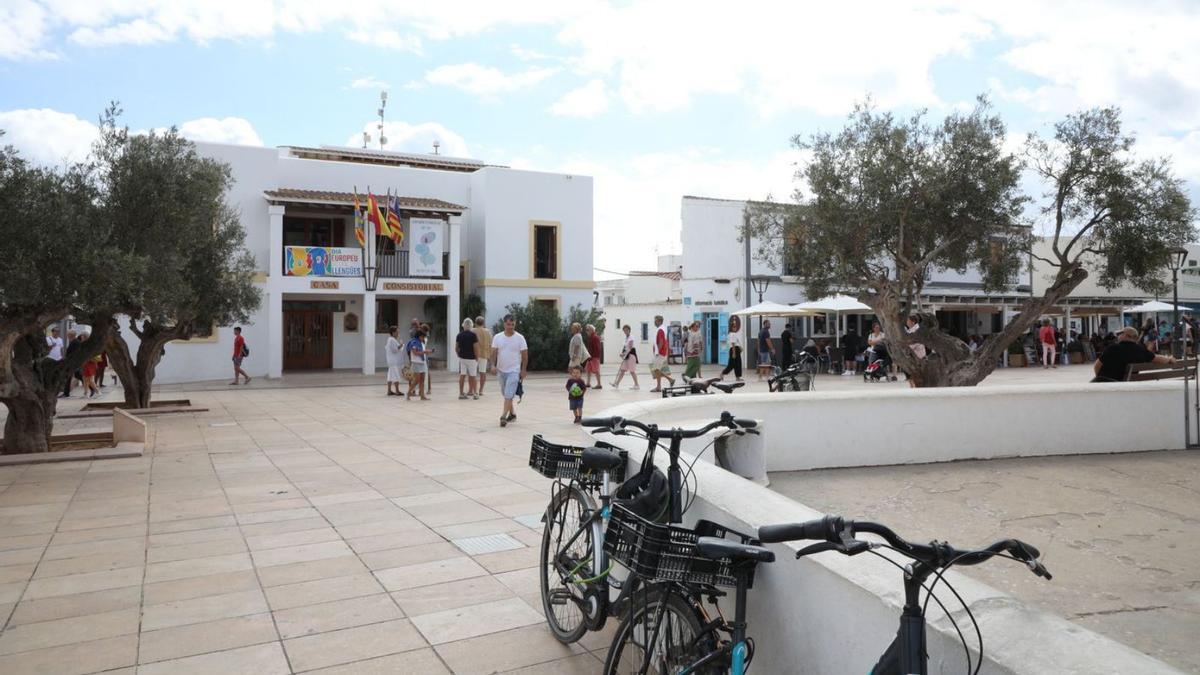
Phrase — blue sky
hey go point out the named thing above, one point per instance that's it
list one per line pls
(654, 99)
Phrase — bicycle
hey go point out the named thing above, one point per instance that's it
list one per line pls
(799, 376)
(574, 570)
(696, 386)
(906, 655)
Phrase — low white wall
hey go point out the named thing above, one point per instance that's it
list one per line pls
(816, 430)
(832, 614)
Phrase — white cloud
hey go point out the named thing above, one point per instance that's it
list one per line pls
(386, 38)
(23, 25)
(368, 82)
(47, 136)
(418, 138)
(486, 81)
(234, 130)
(587, 101)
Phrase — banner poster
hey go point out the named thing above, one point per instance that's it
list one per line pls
(426, 244)
(322, 261)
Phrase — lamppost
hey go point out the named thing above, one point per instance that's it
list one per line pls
(1176, 259)
(760, 282)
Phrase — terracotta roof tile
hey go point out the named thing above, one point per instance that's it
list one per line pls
(347, 198)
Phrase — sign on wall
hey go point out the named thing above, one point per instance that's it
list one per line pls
(426, 247)
(322, 261)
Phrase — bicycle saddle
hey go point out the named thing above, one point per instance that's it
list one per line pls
(717, 548)
(600, 459)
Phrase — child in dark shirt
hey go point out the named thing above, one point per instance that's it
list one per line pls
(575, 390)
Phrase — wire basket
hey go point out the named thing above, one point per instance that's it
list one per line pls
(562, 461)
(667, 553)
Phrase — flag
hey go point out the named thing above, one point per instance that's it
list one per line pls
(358, 221)
(393, 219)
(374, 217)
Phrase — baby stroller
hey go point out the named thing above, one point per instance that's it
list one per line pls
(878, 366)
(800, 376)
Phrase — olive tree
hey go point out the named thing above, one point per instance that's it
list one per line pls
(894, 199)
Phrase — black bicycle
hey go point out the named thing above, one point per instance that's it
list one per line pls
(697, 385)
(574, 570)
(906, 655)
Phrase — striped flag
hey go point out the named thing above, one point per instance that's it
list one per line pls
(375, 217)
(393, 219)
(359, 234)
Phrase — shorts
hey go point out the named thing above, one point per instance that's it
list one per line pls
(418, 367)
(468, 367)
(394, 374)
(483, 366)
(508, 384)
(593, 365)
(575, 403)
(237, 361)
(660, 365)
(764, 358)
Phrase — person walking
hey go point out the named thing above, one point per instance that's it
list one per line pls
(510, 356)
(736, 346)
(426, 338)
(485, 350)
(1049, 342)
(693, 344)
(101, 366)
(90, 389)
(73, 345)
(418, 364)
(851, 346)
(659, 367)
(55, 344)
(393, 354)
(239, 352)
(629, 360)
(466, 346)
(577, 353)
(576, 388)
(786, 347)
(766, 350)
(595, 348)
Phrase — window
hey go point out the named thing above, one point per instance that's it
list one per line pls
(645, 331)
(552, 303)
(387, 314)
(545, 251)
(312, 232)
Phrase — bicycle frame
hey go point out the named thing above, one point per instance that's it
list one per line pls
(906, 655)
(736, 649)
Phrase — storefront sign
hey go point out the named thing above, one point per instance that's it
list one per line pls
(412, 286)
(322, 261)
(331, 285)
(425, 258)
(711, 303)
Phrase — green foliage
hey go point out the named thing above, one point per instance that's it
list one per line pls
(472, 306)
(547, 332)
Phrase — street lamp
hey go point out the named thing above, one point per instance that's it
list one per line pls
(760, 282)
(1176, 259)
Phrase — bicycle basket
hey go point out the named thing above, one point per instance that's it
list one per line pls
(666, 553)
(562, 461)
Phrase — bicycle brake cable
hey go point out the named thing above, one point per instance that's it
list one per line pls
(930, 594)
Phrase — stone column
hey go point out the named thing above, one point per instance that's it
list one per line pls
(275, 252)
(274, 292)
(453, 320)
(367, 328)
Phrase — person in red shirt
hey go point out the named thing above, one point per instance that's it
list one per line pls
(659, 367)
(1047, 338)
(239, 353)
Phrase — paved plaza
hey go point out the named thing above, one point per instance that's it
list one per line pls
(316, 525)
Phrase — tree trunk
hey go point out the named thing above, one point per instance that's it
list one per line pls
(137, 376)
(28, 426)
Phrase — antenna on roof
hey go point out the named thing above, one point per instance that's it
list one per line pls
(366, 139)
(382, 107)
(436, 145)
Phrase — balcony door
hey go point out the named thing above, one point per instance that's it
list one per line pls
(307, 340)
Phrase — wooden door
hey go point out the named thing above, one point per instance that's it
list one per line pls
(307, 340)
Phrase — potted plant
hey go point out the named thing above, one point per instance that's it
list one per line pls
(1016, 355)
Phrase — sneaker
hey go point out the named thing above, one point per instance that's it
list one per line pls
(636, 387)
(503, 421)
(654, 390)
(462, 397)
(474, 397)
(512, 417)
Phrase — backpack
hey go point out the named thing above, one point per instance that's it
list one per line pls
(245, 351)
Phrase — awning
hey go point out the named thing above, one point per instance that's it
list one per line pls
(1154, 306)
(836, 303)
(773, 309)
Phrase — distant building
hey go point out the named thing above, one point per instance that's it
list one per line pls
(511, 236)
(635, 300)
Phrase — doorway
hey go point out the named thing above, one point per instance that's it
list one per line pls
(307, 339)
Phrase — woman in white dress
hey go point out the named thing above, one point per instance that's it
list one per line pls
(392, 350)
(629, 360)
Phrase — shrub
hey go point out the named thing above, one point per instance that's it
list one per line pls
(547, 332)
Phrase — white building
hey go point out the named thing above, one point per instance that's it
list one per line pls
(635, 300)
(510, 236)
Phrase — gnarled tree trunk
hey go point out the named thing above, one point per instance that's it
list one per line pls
(137, 372)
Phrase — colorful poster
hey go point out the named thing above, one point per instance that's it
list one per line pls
(322, 261)
(426, 244)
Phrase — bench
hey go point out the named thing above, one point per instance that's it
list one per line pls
(1145, 372)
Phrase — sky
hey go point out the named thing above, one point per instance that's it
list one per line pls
(654, 99)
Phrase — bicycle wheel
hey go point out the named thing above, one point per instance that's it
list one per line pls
(675, 647)
(565, 564)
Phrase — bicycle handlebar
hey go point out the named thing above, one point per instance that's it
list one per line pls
(616, 424)
(839, 534)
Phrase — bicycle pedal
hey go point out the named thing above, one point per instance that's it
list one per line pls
(559, 597)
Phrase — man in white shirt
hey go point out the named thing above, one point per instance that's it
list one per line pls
(55, 343)
(509, 360)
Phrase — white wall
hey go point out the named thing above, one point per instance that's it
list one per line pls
(634, 315)
(1189, 281)
(856, 602)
